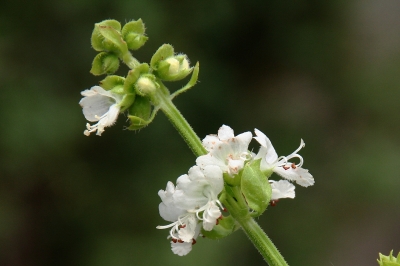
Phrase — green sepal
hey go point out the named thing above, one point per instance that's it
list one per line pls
(389, 260)
(133, 34)
(113, 81)
(232, 180)
(165, 51)
(139, 113)
(99, 41)
(104, 63)
(127, 101)
(114, 36)
(191, 83)
(225, 227)
(133, 76)
(255, 187)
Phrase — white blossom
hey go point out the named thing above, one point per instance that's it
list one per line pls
(99, 106)
(192, 204)
(226, 151)
(282, 165)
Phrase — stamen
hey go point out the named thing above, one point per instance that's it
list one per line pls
(285, 167)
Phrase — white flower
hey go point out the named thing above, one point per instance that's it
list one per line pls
(281, 165)
(99, 106)
(282, 189)
(226, 151)
(192, 204)
(198, 192)
(183, 224)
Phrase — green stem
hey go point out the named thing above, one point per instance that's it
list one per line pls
(262, 242)
(129, 60)
(234, 202)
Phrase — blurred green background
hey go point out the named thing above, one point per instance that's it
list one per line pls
(324, 71)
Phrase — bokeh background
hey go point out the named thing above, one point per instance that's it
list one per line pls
(324, 71)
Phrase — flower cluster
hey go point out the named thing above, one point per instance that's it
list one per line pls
(193, 205)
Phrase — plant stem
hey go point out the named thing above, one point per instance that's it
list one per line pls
(129, 60)
(234, 201)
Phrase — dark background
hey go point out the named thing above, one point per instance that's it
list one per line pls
(324, 71)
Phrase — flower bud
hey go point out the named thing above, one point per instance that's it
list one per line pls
(133, 76)
(133, 34)
(168, 66)
(146, 85)
(104, 63)
(106, 37)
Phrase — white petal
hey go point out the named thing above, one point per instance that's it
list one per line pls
(210, 216)
(209, 159)
(214, 176)
(167, 208)
(267, 151)
(282, 189)
(298, 174)
(95, 106)
(187, 233)
(210, 141)
(225, 133)
(181, 249)
(235, 166)
(240, 143)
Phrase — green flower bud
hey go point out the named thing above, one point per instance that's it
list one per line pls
(146, 85)
(133, 34)
(389, 260)
(168, 66)
(106, 37)
(139, 113)
(133, 76)
(255, 187)
(104, 63)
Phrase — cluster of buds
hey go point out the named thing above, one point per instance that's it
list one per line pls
(139, 92)
(194, 205)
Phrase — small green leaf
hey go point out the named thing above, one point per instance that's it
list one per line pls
(255, 187)
(225, 227)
